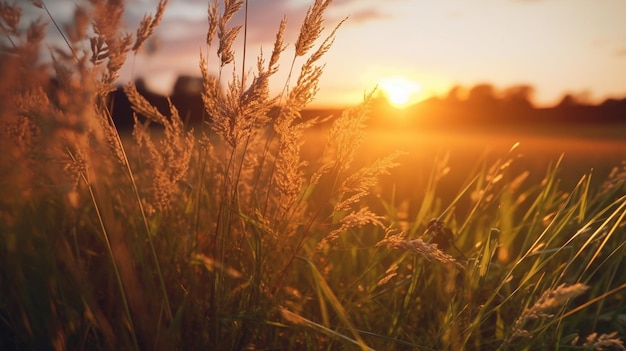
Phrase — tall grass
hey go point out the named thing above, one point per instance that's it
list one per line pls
(224, 237)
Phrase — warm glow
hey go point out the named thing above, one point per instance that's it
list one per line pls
(400, 91)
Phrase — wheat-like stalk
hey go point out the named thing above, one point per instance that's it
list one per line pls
(548, 302)
(213, 18)
(358, 185)
(227, 35)
(353, 220)
(418, 246)
(170, 159)
(345, 136)
(148, 25)
(11, 15)
(142, 106)
(603, 341)
(311, 27)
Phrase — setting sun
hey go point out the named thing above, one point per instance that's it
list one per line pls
(400, 91)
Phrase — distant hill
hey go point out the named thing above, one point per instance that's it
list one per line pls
(482, 108)
(437, 112)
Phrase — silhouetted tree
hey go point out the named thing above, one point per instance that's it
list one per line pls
(454, 95)
(567, 101)
(187, 97)
(482, 95)
(518, 97)
(614, 110)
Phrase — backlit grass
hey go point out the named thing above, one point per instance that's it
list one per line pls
(224, 236)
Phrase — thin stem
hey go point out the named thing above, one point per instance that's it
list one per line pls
(56, 25)
(143, 217)
(107, 241)
(245, 41)
(286, 86)
(11, 40)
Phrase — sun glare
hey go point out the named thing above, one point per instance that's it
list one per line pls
(400, 91)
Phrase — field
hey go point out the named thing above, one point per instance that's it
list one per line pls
(580, 151)
(534, 152)
(261, 230)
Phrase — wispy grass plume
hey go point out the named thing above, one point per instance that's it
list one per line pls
(250, 230)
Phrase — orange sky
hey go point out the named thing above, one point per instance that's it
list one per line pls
(557, 46)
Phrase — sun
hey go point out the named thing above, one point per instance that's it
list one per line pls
(400, 91)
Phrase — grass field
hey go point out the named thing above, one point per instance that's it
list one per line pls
(256, 232)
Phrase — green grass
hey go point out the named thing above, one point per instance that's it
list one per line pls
(229, 239)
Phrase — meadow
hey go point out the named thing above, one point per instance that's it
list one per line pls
(262, 230)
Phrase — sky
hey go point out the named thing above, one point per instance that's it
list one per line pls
(556, 46)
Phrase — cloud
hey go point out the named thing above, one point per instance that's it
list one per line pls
(187, 19)
(367, 15)
(61, 11)
(360, 11)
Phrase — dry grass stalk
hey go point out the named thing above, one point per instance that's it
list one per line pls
(255, 101)
(142, 106)
(228, 121)
(355, 219)
(604, 342)
(107, 17)
(238, 112)
(112, 138)
(226, 35)
(212, 265)
(107, 20)
(345, 137)
(307, 84)
(279, 47)
(118, 49)
(358, 185)
(69, 115)
(389, 274)
(25, 46)
(289, 173)
(148, 25)
(76, 166)
(325, 46)
(38, 124)
(549, 301)
(352, 190)
(311, 27)
(554, 298)
(170, 160)
(616, 177)
(78, 30)
(426, 250)
(11, 15)
(291, 317)
(213, 18)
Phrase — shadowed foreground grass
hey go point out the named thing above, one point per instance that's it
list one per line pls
(225, 237)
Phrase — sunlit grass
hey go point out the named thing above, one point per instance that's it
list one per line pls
(227, 237)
